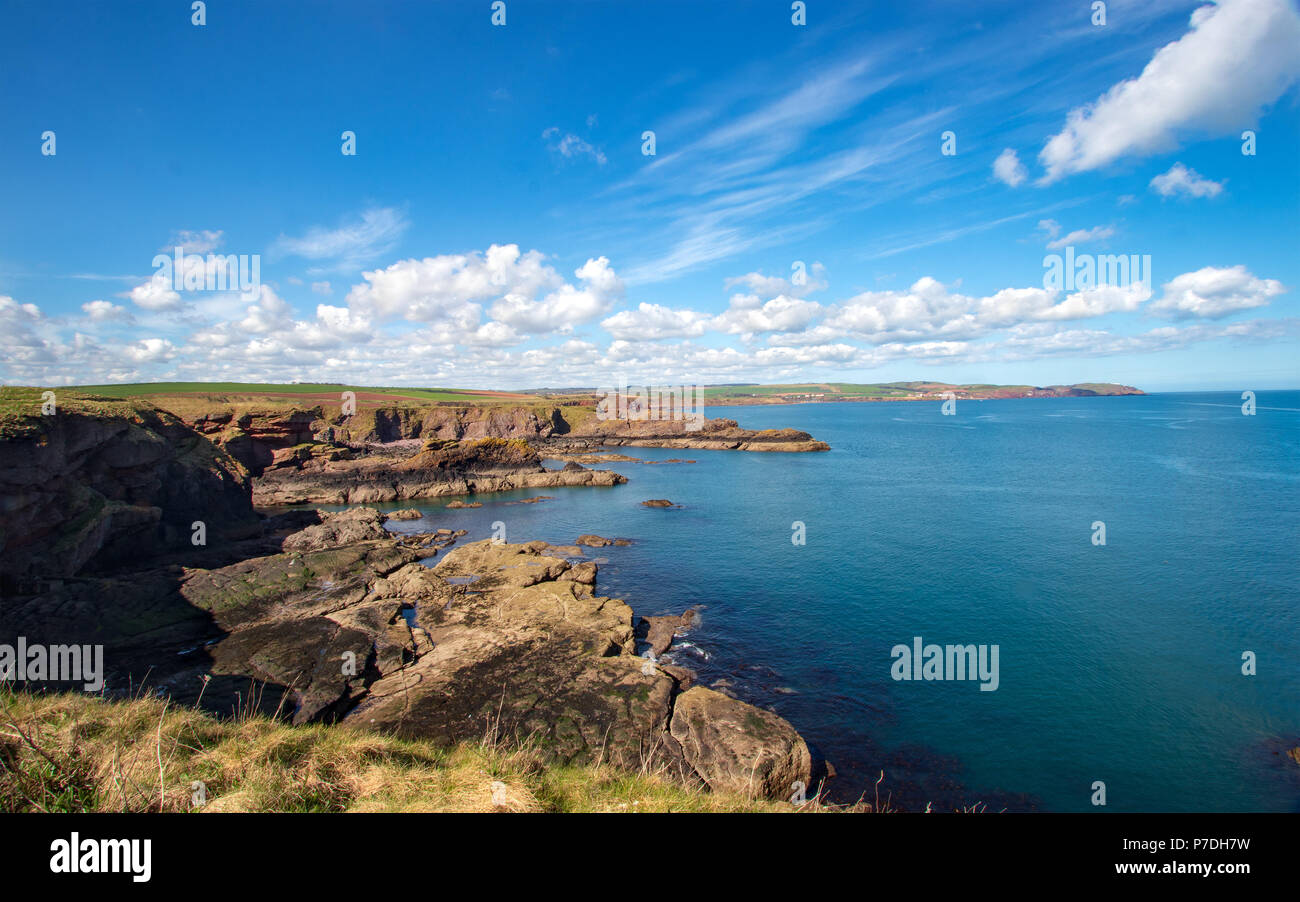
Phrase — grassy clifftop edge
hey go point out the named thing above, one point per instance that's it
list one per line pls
(77, 752)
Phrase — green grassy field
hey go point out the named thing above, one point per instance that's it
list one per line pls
(187, 398)
(150, 389)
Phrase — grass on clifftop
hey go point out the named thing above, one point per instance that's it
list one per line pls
(75, 752)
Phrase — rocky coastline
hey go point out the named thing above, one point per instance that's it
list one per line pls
(330, 617)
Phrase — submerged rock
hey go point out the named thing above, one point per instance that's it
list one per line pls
(594, 541)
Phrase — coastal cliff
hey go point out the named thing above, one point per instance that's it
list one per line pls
(90, 485)
(320, 455)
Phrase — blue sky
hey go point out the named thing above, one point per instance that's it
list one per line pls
(499, 225)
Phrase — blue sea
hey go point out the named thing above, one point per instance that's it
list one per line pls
(1118, 663)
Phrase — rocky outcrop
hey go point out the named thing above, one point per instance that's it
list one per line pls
(439, 468)
(658, 631)
(390, 424)
(98, 484)
(594, 541)
(737, 747)
(254, 437)
(717, 435)
(499, 642)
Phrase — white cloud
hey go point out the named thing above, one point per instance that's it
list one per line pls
(1079, 236)
(565, 307)
(349, 246)
(570, 146)
(195, 242)
(156, 294)
(1214, 292)
(527, 294)
(1238, 57)
(652, 322)
(12, 311)
(321, 288)
(1181, 180)
(929, 311)
(150, 350)
(104, 311)
(814, 279)
(1008, 168)
(748, 314)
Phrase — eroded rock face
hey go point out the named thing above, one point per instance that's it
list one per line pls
(259, 438)
(84, 490)
(440, 468)
(389, 424)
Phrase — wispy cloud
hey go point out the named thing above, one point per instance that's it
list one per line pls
(349, 246)
(570, 146)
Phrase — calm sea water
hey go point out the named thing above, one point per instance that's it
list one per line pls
(1119, 663)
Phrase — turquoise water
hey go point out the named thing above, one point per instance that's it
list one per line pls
(1119, 663)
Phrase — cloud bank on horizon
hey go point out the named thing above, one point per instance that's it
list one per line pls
(582, 195)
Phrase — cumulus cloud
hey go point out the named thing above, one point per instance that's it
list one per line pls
(156, 294)
(1188, 182)
(812, 279)
(748, 314)
(150, 350)
(565, 307)
(653, 322)
(929, 310)
(526, 293)
(1008, 168)
(1238, 57)
(491, 302)
(1214, 292)
(104, 311)
(13, 312)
